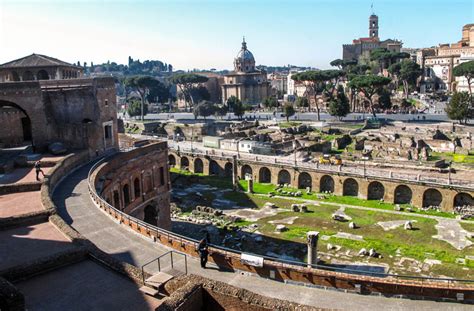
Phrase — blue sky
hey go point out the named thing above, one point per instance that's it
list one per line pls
(208, 34)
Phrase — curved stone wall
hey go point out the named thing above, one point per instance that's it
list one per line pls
(137, 183)
(390, 190)
(273, 268)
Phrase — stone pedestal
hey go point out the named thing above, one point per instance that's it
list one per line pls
(312, 242)
(250, 186)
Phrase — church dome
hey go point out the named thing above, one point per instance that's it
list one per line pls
(244, 61)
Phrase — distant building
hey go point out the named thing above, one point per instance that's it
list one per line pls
(278, 82)
(438, 63)
(294, 88)
(246, 82)
(38, 67)
(361, 47)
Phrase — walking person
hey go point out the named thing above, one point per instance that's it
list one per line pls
(38, 170)
(203, 252)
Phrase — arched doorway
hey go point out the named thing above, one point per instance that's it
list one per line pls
(42, 75)
(463, 199)
(116, 199)
(171, 160)
(264, 175)
(126, 194)
(198, 166)
(136, 188)
(184, 163)
(304, 181)
(375, 191)
(18, 123)
(402, 195)
(350, 187)
(284, 177)
(28, 76)
(15, 76)
(150, 215)
(432, 197)
(326, 184)
(214, 168)
(245, 170)
(228, 168)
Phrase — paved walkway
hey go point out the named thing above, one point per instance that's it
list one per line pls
(76, 208)
(22, 175)
(15, 204)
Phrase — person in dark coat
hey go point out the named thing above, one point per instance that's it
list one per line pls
(38, 169)
(203, 250)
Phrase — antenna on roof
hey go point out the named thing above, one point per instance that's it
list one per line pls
(372, 8)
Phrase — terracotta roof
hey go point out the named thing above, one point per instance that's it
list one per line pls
(35, 60)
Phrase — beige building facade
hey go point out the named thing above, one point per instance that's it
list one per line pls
(247, 83)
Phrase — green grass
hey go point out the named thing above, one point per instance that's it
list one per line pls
(467, 226)
(284, 125)
(455, 157)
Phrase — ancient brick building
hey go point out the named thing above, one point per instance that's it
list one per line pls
(79, 112)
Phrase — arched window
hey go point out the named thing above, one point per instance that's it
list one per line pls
(136, 188)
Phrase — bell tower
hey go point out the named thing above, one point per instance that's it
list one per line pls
(373, 26)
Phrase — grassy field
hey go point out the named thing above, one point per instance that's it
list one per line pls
(455, 157)
(284, 125)
(394, 244)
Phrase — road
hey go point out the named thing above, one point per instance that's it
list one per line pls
(307, 116)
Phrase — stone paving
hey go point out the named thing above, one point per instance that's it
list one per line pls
(84, 286)
(22, 175)
(450, 230)
(24, 244)
(15, 204)
(76, 208)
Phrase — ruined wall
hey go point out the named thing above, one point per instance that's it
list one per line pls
(70, 111)
(12, 130)
(137, 182)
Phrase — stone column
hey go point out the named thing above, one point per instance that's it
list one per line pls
(312, 242)
(250, 186)
(235, 179)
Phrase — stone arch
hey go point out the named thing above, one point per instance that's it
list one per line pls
(402, 195)
(198, 166)
(26, 128)
(15, 76)
(326, 184)
(264, 175)
(42, 75)
(150, 215)
(214, 168)
(136, 187)
(184, 162)
(284, 177)
(463, 199)
(228, 169)
(375, 191)
(126, 194)
(432, 197)
(28, 76)
(246, 169)
(350, 187)
(171, 160)
(304, 180)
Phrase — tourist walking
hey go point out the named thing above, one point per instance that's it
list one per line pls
(38, 169)
(203, 252)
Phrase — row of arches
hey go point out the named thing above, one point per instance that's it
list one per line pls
(403, 194)
(30, 76)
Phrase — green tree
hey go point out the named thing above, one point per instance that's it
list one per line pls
(239, 109)
(134, 108)
(231, 102)
(316, 82)
(142, 85)
(288, 110)
(204, 109)
(221, 111)
(465, 70)
(186, 82)
(302, 102)
(369, 85)
(385, 99)
(270, 102)
(385, 58)
(409, 74)
(459, 107)
(339, 106)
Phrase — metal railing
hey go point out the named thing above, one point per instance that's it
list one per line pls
(158, 261)
(277, 262)
(354, 170)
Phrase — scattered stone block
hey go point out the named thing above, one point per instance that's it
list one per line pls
(330, 246)
(304, 208)
(295, 208)
(363, 252)
(408, 226)
(338, 217)
(281, 228)
(352, 225)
